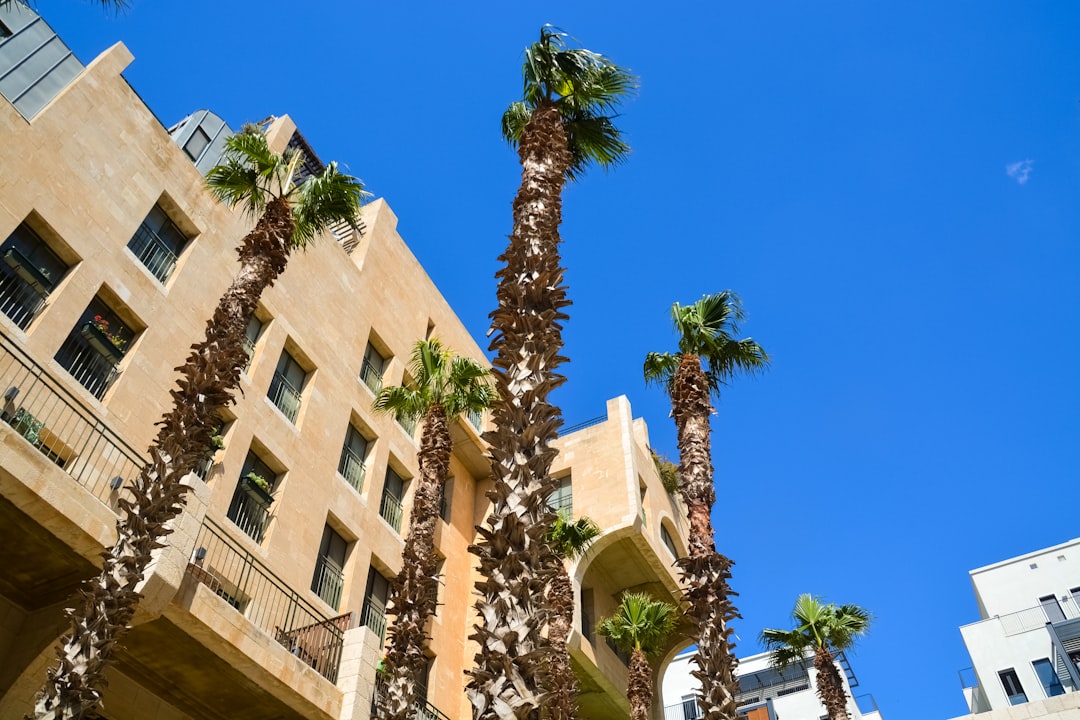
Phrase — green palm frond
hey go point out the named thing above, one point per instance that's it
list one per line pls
(593, 139)
(818, 624)
(323, 200)
(640, 622)
(514, 120)
(439, 377)
(569, 538)
(401, 402)
(660, 369)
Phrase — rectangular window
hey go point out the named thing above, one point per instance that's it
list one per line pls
(197, 144)
(690, 709)
(329, 578)
(392, 494)
(561, 500)
(5, 31)
(371, 372)
(353, 453)
(157, 243)
(251, 335)
(444, 500)
(94, 347)
(250, 506)
(1051, 683)
(668, 541)
(373, 614)
(1052, 608)
(28, 273)
(285, 388)
(1012, 686)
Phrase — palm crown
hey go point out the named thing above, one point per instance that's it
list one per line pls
(639, 623)
(818, 625)
(570, 539)
(585, 87)
(250, 174)
(707, 329)
(440, 378)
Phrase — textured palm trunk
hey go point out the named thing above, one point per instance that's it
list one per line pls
(705, 572)
(107, 603)
(414, 592)
(513, 555)
(562, 682)
(830, 687)
(639, 687)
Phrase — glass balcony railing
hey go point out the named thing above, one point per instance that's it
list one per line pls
(285, 397)
(152, 252)
(352, 469)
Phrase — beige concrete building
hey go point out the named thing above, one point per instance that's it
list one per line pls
(268, 602)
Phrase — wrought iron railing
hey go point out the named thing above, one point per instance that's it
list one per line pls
(250, 514)
(52, 419)
(373, 616)
(328, 582)
(390, 509)
(422, 708)
(351, 468)
(371, 376)
(92, 364)
(582, 425)
(22, 294)
(152, 252)
(235, 575)
(284, 396)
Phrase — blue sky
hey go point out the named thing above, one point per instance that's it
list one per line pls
(891, 187)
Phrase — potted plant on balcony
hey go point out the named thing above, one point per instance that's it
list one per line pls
(257, 487)
(110, 344)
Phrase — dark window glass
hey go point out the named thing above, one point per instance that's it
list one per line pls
(251, 335)
(1052, 608)
(28, 272)
(562, 498)
(157, 243)
(1012, 686)
(196, 144)
(669, 543)
(328, 580)
(285, 388)
(353, 453)
(1048, 677)
(94, 347)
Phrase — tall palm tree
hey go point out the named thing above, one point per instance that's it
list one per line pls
(639, 626)
(560, 127)
(706, 331)
(444, 387)
(289, 216)
(568, 540)
(824, 630)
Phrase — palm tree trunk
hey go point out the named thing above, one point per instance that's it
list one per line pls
(513, 555)
(705, 572)
(414, 592)
(639, 688)
(207, 379)
(830, 687)
(562, 682)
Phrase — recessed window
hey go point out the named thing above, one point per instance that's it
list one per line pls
(392, 495)
(251, 336)
(94, 347)
(1051, 683)
(329, 578)
(1013, 689)
(373, 614)
(444, 500)
(669, 542)
(157, 243)
(28, 273)
(371, 372)
(287, 384)
(250, 506)
(197, 144)
(1052, 608)
(561, 499)
(353, 454)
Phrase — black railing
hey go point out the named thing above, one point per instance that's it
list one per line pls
(352, 468)
(22, 288)
(52, 419)
(262, 597)
(390, 509)
(373, 616)
(582, 425)
(284, 396)
(328, 582)
(371, 376)
(90, 358)
(249, 510)
(152, 252)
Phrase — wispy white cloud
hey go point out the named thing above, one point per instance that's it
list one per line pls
(1020, 171)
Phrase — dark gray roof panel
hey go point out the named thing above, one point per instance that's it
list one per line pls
(35, 64)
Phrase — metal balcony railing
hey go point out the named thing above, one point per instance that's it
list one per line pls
(371, 376)
(284, 396)
(408, 424)
(373, 616)
(249, 350)
(582, 425)
(250, 513)
(1033, 618)
(423, 709)
(390, 509)
(152, 252)
(52, 419)
(686, 710)
(235, 575)
(22, 289)
(476, 418)
(352, 468)
(89, 359)
(328, 582)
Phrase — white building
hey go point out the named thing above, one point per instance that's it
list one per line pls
(1025, 649)
(765, 693)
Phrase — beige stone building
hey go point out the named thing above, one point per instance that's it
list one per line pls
(268, 602)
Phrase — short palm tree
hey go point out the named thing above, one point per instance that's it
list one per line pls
(706, 331)
(568, 539)
(444, 386)
(289, 215)
(824, 630)
(561, 126)
(639, 626)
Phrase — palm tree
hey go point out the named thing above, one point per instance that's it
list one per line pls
(444, 387)
(289, 216)
(568, 540)
(559, 128)
(639, 626)
(824, 629)
(707, 331)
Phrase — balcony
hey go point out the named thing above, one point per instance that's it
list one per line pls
(23, 288)
(39, 408)
(250, 509)
(352, 469)
(408, 424)
(153, 252)
(390, 509)
(373, 616)
(328, 582)
(476, 419)
(91, 357)
(253, 590)
(422, 708)
(371, 376)
(285, 397)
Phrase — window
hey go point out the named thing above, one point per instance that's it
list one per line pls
(251, 335)
(5, 31)
(1048, 677)
(372, 370)
(196, 144)
(587, 613)
(690, 710)
(1012, 686)
(28, 273)
(393, 492)
(373, 614)
(444, 500)
(285, 388)
(157, 243)
(424, 681)
(94, 347)
(1052, 609)
(561, 498)
(353, 453)
(250, 506)
(329, 578)
(669, 542)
